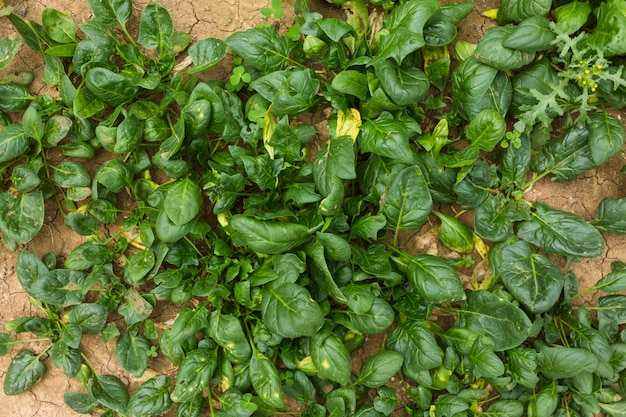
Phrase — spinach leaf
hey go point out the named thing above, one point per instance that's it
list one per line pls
(289, 311)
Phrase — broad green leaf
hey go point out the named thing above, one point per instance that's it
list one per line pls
(27, 30)
(266, 381)
(90, 317)
(515, 164)
(86, 104)
(572, 16)
(262, 48)
(267, 236)
(136, 307)
(58, 26)
(129, 134)
(194, 374)
(13, 142)
(336, 248)
(114, 174)
(112, 12)
(455, 234)
(376, 320)
(522, 364)
(351, 82)
(611, 215)
(167, 231)
(592, 340)
(138, 266)
(560, 232)
(32, 123)
(418, 345)
(81, 402)
(387, 137)
(435, 280)
(516, 11)
(360, 297)
(66, 358)
(152, 398)
(491, 220)
(156, 29)
(505, 408)
(502, 321)
(368, 226)
(379, 368)
(131, 351)
(71, 174)
(532, 279)
(21, 216)
(486, 129)
(206, 53)
(320, 272)
(291, 91)
(23, 372)
(14, 97)
(89, 254)
(60, 287)
(24, 178)
(83, 224)
(6, 343)
(331, 357)
(407, 202)
(449, 405)
(29, 269)
(558, 362)
(189, 322)
(403, 29)
(405, 85)
(485, 363)
(110, 87)
(612, 282)
(492, 52)
(110, 391)
(289, 311)
(8, 49)
(226, 331)
(532, 34)
(606, 136)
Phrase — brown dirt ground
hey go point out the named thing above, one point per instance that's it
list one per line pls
(213, 18)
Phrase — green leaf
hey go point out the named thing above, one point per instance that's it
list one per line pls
(110, 391)
(129, 134)
(112, 12)
(388, 137)
(606, 136)
(194, 374)
(505, 408)
(24, 178)
(376, 320)
(67, 358)
(405, 85)
(226, 331)
(189, 322)
(13, 142)
(131, 352)
(14, 98)
(24, 372)
(60, 287)
(435, 280)
(89, 254)
(379, 368)
(289, 311)
(265, 380)
(110, 87)
(449, 405)
(319, 271)
(351, 82)
(572, 16)
(156, 29)
(152, 398)
(58, 26)
(269, 237)
(560, 232)
(114, 174)
(407, 202)
(205, 54)
(522, 364)
(6, 343)
(486, 129)
(86, 104)
(491, 50)
(532, 279)
(515, 10)
(403, 29)
(21, 216)
(418, 345)
(90, 317)
(455, 234)
(485, 363)
(8, 49)
(32, 123)
(331, 357)
(558, 362)
(80, 402)
(291, 91)
(368, 226)
(612, 282)
(83, 224)
(532, 34)
(262, 48)
(611, 215)
(71, 174)
(504, 323)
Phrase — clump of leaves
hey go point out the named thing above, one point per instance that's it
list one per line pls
(281, 259)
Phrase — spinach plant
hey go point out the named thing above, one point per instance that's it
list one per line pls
(280, 242)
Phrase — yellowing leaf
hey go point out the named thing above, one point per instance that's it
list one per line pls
(491, 13)
(348, 124)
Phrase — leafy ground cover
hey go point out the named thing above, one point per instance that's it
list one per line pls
(282, 254)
